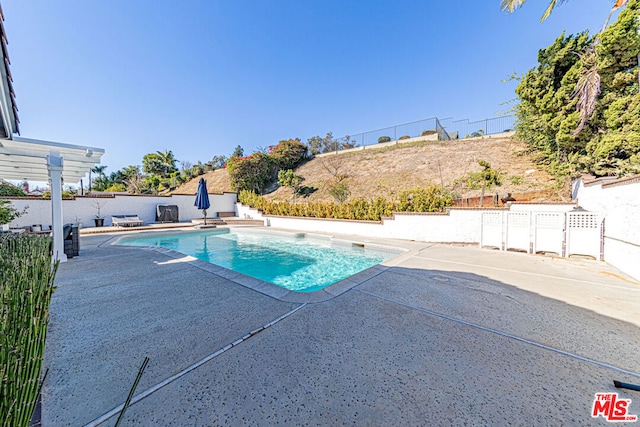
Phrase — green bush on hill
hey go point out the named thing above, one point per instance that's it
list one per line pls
(288, 154)
(340, 191)
(251, 173)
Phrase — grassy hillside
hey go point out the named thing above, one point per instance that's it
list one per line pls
(386, 171)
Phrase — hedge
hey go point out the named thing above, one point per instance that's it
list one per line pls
(429, 199)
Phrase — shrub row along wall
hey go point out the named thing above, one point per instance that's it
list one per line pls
(619, 201)
(82, 209)
(459, 225)
(428, 199)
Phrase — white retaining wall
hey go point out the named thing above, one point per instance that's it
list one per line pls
(459, 225)
(524, 227)
(619, 202)
(82, 210)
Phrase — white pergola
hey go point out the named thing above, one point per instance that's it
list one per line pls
(37, 160)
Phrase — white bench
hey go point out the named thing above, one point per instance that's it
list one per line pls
(126, 221)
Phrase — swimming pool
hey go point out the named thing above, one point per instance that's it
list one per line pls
(295, 261)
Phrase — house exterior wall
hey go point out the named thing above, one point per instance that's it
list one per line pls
(619, 202)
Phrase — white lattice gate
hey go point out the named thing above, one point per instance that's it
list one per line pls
(584, 234)
(518, 235)
(491, 230)
(563, 233)
(548, 232)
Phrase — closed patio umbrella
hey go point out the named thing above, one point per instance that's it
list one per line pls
(202, 198)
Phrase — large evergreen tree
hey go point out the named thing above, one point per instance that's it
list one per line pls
(588, 87)
(609, 143)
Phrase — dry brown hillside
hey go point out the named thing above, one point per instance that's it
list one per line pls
(386, 171)
(217, 182)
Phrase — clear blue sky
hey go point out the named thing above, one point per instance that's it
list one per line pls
(199, 77)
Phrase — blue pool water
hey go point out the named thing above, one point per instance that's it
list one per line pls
(294, 262)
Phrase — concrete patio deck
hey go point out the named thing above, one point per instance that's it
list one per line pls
(441, 335)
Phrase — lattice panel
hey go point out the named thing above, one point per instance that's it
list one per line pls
(519, 220)
(551, 220)
(583, 221)
(492, 219)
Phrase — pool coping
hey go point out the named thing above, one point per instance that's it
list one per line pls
(270, 289)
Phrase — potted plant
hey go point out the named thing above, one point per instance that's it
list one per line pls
(99, 220)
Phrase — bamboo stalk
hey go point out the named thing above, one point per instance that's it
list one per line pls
(26, 284)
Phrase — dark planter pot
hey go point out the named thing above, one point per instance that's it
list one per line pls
(99, 222)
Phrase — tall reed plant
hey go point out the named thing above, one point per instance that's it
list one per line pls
(26, 284)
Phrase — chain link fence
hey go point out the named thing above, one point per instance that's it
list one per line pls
(445, 129)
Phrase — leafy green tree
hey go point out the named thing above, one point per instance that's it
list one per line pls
(117, 177)
(116, 188)
(250, 173)
(130, 171)
(238, 152)
(162, 163)
(8, 190)
(486, 179)
(348, 142)
(289, 179)
(134, 179)
(315, 144)
(219, 161)
(8, 213)
(153, 183)
(101, 181)
(318, 144)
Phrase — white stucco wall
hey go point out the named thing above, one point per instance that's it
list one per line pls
(465, 226)
(620, 205)
(82, 209)
(541, 207)
(459, 225)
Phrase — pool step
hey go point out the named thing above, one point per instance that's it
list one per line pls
(212, 221)
(239, 221)
(228, 221)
